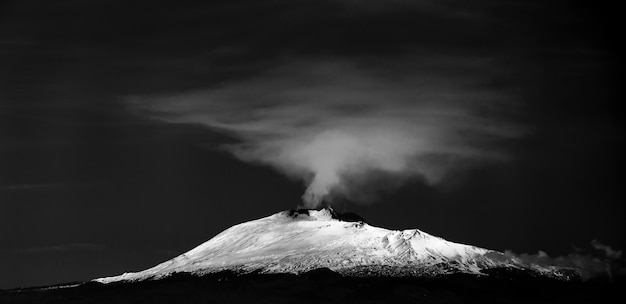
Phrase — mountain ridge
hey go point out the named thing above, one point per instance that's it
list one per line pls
(299, 241)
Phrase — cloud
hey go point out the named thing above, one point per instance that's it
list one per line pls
(601, 263)
(609, 252)
(333, 124)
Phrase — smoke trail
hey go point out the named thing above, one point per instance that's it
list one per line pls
(330, 122)
(599, 263)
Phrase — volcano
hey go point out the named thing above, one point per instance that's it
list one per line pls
(320, 256)
(299, 241)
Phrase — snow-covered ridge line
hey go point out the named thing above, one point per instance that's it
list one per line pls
(298, 241)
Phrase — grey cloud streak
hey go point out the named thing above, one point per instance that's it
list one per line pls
(332, 123)
(603, 262)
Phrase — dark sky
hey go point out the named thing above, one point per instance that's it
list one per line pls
(91, 187)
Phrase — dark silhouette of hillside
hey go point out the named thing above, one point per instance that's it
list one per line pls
(325, 286)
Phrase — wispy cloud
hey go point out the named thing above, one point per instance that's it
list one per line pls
(334, 123)
(603, 262)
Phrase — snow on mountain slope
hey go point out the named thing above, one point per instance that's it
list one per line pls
(300, 241)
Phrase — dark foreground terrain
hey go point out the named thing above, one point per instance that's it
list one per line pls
(325, 286)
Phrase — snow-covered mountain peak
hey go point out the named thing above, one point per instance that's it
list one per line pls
(324, 214)
(296, 241)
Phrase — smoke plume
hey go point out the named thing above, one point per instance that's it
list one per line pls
(330, 124)
(601, 262)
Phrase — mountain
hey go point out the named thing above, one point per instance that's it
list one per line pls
(299, 241)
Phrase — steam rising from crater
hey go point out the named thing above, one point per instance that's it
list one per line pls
(332, 124)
